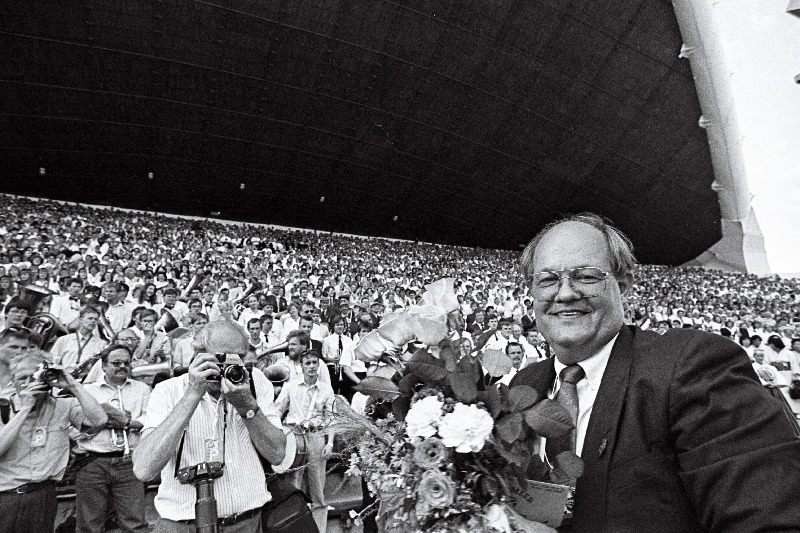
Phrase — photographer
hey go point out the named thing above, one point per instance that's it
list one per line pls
(211, 420)
(34, 444)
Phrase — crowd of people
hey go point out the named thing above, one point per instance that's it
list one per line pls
(131, 294)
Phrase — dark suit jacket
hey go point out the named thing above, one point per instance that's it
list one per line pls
(682, 438)
(316, 346)
(277, 305)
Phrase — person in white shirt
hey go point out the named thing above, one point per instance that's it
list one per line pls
(500, 338)
(155, 346)
(171, 304)
(211, 418)
(291, 321)
(183, 352)
(320, 330)
(516, 353)
(250, 312)
(297, 342)
(308, 405)
(67, 308)
(118, 313)
(271, 340)
(337, 352)
(75, 349)
(106, 477)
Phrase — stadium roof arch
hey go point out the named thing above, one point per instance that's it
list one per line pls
(467, 123)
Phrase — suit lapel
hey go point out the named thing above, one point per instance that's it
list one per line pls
(601, 434)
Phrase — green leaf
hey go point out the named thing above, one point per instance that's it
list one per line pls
(491, 399)
(426, 367)
(509, 428)
(408, 384)
(569, 464)
(521, 397)
(463, 386)
(513, 453)
(549, 419)
(470, 365)
(505, 402)
(400, 407)
(496, 363)
(379, 387)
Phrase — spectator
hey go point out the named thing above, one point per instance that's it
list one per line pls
(76, 349)
(34, 446)
(105, 477)
(308, 406)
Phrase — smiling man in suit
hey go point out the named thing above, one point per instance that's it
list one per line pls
(675, 431)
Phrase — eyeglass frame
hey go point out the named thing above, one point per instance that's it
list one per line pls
(568, 272)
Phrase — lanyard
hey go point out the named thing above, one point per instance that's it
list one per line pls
(81, 347)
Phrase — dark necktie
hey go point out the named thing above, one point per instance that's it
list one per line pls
(341, 346)
(567, 396)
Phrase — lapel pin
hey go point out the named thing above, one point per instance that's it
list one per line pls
(602, 449)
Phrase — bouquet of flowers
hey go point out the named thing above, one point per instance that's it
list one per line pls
(450, 450)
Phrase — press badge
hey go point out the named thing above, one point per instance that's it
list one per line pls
(39, 437)
(212, 450)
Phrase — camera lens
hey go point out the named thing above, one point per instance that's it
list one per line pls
(235, 374)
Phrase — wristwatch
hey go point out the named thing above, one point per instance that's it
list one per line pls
(250, 413)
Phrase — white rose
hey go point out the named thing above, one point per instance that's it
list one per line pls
(423, 418)
(466, 428)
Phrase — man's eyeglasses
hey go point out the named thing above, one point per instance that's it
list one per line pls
(586, 281)
(119, 364)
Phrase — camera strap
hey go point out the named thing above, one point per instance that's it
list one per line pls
(224, 439)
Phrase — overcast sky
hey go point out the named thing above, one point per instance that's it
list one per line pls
(762, 45)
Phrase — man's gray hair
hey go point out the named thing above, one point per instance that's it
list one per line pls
(620, 248)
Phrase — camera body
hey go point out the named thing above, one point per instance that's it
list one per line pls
(231, 368)
(191, 475)
(47, 373)
(794, 389)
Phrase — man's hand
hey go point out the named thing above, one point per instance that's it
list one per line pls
(239, 396)
(32, 392)
(65, 381)
(117, 419)
(201, 368)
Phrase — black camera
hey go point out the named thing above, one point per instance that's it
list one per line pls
(47, 373)
(200, 472)
(794, 389)
(202, 476)
(231, 368)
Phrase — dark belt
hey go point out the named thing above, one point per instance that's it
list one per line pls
(232, 519)
(119, 453)
(31, 487)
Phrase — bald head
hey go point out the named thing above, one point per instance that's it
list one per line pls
(221, 336)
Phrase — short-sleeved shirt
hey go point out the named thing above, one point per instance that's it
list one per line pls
(242, 486)
(132, 396)
(71, 350)
(305, 402)
(51, 421)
